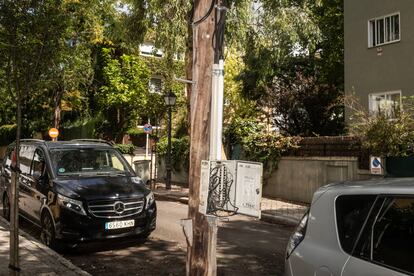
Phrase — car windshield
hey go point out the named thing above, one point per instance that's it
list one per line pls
(89, 162)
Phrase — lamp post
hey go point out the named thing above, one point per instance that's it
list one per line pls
(169, 102)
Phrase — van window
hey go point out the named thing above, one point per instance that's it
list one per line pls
(7, 162)
(89, 162)
(26, 156)
(390, 238)
(351, 213)
(38, 164)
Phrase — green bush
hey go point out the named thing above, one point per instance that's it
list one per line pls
(125, 148)
(7, 134)
(387, 133)
(257, 144)
(79, 129)
(135, 131)
(180, 151)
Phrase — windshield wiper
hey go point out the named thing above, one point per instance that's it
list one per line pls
(111, 173)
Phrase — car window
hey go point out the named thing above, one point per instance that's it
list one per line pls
(390, 238)
(351, 213)
(88, 161)
(26, 156)
(7, 161)
(38, 164)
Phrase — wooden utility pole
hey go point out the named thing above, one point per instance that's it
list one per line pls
(199, 262)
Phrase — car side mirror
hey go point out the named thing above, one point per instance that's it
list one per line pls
(37, 176)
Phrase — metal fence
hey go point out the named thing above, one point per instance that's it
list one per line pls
(332, 146)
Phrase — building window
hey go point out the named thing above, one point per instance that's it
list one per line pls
(384, 30)
(387, 102)
(155, 85)
(148, 49)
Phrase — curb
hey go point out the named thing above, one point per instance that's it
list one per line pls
(64, 262)
(279, 219)
(274, 219)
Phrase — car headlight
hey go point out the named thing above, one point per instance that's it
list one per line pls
(297, 236)
(149, 199)
(71, 204)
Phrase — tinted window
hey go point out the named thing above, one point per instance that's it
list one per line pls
(351, 213)
(26, 156)
(38, 164)
(7, 162)
(390, 238)
(89, 161)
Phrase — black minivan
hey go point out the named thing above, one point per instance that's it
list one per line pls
(79, 190)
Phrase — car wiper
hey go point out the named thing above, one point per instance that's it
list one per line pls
(111, 173)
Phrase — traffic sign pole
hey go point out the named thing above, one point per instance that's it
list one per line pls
(147, 130)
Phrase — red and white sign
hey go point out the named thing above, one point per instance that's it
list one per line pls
(53, 133)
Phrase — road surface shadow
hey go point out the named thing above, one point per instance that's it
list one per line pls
(258, 250)
(123, 257)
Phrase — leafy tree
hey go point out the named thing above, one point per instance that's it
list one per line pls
(31, 35)
(292, 62)
(124, 92)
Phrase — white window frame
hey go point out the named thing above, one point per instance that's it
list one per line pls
(386, 94)
(149, 84)
(149, 50)
(375, 20)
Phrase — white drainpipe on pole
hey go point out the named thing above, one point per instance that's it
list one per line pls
(216, 122)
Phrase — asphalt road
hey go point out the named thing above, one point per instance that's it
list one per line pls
(246, 246)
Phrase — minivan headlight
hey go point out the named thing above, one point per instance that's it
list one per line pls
(71, 204)
(297, 236)
(149, 199)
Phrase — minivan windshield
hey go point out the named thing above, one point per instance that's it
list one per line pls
(89, 162)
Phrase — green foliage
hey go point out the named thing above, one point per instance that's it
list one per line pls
(7, 134)
(84, 128)
(257, 144)
(126, 82)
(135, 131)
(124, 92)
(294, 56)
(125, 148)
(385, 133)
(180, 151)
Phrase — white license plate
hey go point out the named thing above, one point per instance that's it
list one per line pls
(119, 224)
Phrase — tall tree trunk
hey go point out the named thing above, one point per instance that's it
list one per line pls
(58, 106)
(200, 127)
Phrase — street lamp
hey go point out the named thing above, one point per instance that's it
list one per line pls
(169, 102)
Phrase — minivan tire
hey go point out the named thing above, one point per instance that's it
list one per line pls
(6, 207)
(47, 234)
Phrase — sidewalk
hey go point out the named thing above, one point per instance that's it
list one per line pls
(35, 258)
(273, 210)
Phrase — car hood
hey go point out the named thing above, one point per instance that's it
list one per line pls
(93, 188)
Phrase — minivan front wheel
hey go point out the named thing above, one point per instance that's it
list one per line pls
(6, 207)
(47, 234)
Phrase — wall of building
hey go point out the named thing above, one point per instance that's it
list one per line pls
(378, 69)
(297, 178)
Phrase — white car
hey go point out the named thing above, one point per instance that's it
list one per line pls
(356, 228)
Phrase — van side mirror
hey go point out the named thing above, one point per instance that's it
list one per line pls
(37, 175)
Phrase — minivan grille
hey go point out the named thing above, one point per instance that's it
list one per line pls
(116, 208)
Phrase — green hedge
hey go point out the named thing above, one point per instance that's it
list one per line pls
(125, 148)
(180, 151)
(7, 134)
